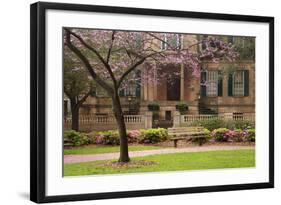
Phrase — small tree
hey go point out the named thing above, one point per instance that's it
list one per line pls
(77, 86)
(111, 57)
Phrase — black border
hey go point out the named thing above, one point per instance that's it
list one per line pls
(37, 100)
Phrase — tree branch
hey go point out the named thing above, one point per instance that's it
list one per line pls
(82, 100)
(134, 66)
(106, 65)
(110, 48)
(87, 64)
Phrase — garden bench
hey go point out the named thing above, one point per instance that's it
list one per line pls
(186, 133)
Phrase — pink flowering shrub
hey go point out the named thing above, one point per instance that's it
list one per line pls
(237, 135)
(220, 134)
(111, 137)
(133, 136)
(99, 139)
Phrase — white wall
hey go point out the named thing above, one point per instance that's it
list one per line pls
(14, 108)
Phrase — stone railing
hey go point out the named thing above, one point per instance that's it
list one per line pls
(184, 120)
(89, 123)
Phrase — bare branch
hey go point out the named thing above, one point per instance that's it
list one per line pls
(106, 65)
(87, 64)
(82, 100)
(127, 72)
(110, 47)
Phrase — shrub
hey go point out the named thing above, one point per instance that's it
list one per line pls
(244, 124)
(251, 135)
(182, 108)
(155, 116)
(237, 135)
(229, 124)
(110, 137)
(153, 107)
(209, 124)
(153, 135)
(220, 134)
(77, 138)
(133, 136)
(202, 140)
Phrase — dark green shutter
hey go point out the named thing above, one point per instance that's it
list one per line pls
(203, 90)
(220, 83)
(246, 83)
(230, 84)
(138, 81)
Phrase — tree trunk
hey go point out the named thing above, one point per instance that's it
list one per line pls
(74, 116)
(118, 113)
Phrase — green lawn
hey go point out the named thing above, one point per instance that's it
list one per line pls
(171, 162)
(105, 149)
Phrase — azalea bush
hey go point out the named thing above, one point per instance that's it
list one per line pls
(133, 136)
(251, 135)
(220, 134)
(153, 135)
(234, 135)
(110, 137)
(76, 138)
(237, 135)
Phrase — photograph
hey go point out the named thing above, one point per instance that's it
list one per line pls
(148, 101)
(134, 102)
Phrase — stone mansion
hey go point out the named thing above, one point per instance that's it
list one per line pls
(224, 87)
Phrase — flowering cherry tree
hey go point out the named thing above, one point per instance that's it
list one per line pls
(113, 57)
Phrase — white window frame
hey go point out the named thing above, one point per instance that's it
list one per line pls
(179, 41)
(241, 91)
(130, 90)
(212, 84)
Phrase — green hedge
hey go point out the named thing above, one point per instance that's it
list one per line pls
(153, 135)
(76, 138)
(229, 124)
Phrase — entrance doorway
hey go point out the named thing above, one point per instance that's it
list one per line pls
(173, 88)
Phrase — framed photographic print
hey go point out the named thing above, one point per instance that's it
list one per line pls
(129, 102)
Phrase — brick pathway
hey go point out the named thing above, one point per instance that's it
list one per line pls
(69, 159)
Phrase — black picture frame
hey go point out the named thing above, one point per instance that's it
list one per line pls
(38, 101)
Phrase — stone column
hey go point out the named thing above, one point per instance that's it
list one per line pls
(148, 120)
(145, 86)
(182, 83)
(155, 83)
(176, 119)
(68, 108)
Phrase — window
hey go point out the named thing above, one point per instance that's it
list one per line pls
(172, 41)
(130, 90)
(238, 83)
(237, 116)
(212, 83)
